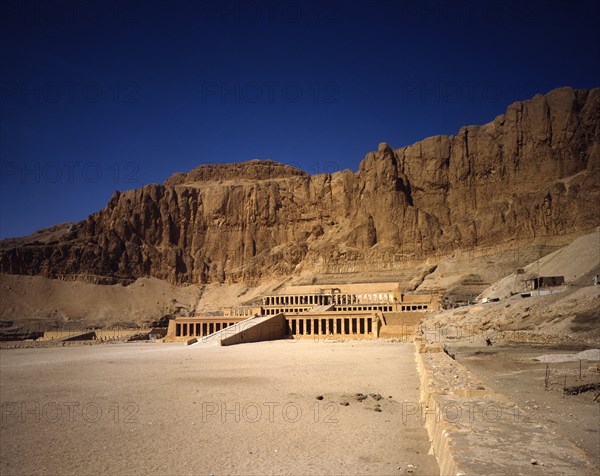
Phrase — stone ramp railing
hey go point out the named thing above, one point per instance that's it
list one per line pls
(236, 332)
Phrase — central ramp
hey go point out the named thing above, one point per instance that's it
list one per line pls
(254, 329)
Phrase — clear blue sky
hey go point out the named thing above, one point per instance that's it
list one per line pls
(104, 96)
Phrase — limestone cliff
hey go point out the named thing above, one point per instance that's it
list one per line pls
(531, 172)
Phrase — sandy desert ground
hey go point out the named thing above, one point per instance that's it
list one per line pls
(247, 409)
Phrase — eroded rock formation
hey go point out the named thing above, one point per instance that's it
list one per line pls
(533, 171)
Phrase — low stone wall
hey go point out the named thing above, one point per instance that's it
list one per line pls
(400, 324)
(98, 334)
(474, 430)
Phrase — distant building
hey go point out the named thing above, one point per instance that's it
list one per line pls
(544, 282)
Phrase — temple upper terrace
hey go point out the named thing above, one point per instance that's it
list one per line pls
(300, 299)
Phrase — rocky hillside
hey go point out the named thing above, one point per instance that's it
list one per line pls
(532, 172)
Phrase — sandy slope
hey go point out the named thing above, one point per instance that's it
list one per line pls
(34, 300)
(569, 316)
(575, 261)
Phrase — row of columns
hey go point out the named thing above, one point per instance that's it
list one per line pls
(243, 312)
(358, 308)
(298, 299)
(199, 329)
(330, 326)
(415, 307)
(272, 312)
(376, 297)
(325, 299)
(365, 307)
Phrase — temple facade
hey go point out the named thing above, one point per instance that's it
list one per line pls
(335, 311)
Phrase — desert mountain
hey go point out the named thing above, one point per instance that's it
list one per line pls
(530, 174)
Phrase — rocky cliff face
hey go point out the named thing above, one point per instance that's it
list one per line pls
(532, 172)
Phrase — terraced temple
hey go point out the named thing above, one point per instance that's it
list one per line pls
(352, 311)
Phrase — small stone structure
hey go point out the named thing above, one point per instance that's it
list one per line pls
(544, 282)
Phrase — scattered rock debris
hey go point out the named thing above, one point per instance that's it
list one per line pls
(577, 389)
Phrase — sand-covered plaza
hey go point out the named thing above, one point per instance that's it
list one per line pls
(247, 409)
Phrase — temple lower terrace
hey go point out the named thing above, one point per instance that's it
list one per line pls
(359, 311)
